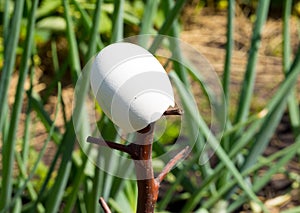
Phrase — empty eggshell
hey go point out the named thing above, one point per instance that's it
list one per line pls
(131, 86)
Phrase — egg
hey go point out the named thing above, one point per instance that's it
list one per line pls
(130, 85)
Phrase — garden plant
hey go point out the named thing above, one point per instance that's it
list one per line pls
(48, 162)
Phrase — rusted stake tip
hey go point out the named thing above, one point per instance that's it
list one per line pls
(173, 111)
(89, 139)
(104, 205)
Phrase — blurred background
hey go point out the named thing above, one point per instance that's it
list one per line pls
(252, 45)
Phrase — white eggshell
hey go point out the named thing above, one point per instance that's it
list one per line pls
(131, 86)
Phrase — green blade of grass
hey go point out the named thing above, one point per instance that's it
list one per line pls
(76, 183)
(73, 50)
(276, 108)
(248, 84)
(44, 117)
(81, 205)
(39, 158)
(54, 57)
(229, 50)
(87, 22)
(174, 44)
(147, 20)
(47, 7)
(81, 127)
(94, 31)
(5, 21)
(226, 75)
(240, 144)
(42, 193)
(30, 187)
(9, 145)
(25, 145)
(79, 177)
(188, 108)
(118, 23)
(292, 102)
(9, 60)
(174, 13)
(6, 118)
(285, 154)
(257, 125)
(58, 189)
(259, 182)
(93, 202)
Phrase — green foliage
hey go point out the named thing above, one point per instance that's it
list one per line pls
(70, 182)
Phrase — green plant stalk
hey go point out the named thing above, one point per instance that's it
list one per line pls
(251, 120)
(108, 132)
(9, 61)
(185, 96)
(57, 77)
(272, 120)
(63, 174)
(257, 125)
(69, 139)
(275, 108)
(248, 84)
(91, 50)
(42, 192)
(240, 144)
(54, 57)
(94, 31)
(147, 20)
(37, 106)
(292, 101)
(205, 169)
(226, 78)
(97, 182)
(78, 179)
(109, 179)
(286, 44)
(118, 25)
(25, 145)
(68, 142)
(261, 181)
(87, 22)
(41, 154)
(81, 205)
(174, 13)
(5, 21)
(286, 154)
(229, 50)
(227, 65)
(9, 145)
(174, 46)
(73, 50)
(6, 118)
(31, 191)
(18, 207)
(36, 163)
(93, 204)
(47, 8)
